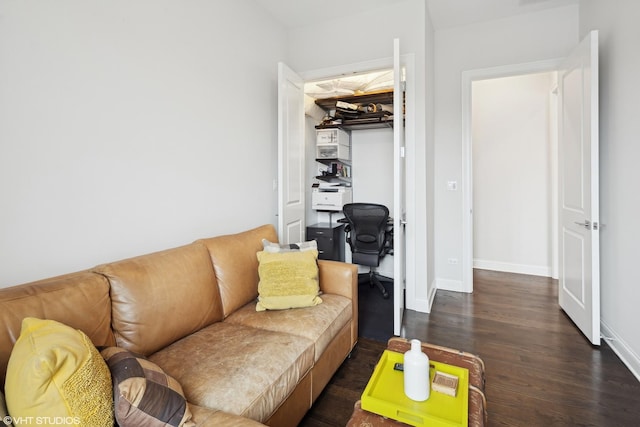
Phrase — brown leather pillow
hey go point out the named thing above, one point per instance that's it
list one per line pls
(143, 394)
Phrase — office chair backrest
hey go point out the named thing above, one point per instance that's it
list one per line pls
(368, 227)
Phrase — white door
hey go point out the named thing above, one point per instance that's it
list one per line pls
(291, 152)
(399, 205)
(579, 240)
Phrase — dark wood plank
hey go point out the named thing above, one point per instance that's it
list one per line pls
(540, 370)
(335, 404)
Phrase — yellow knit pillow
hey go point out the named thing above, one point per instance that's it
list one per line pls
(55, 373)
(288, 280)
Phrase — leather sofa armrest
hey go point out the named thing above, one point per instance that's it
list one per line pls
(340, 278)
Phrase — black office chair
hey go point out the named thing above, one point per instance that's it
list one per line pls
(370, 239)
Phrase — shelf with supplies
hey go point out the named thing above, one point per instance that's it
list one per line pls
(346, 180)
(333, 151)
(336, 171)
(371, 110)
(333, 155)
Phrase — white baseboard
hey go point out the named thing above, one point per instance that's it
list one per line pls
(624, 352)
(420, 305)
(424, 305)
(432, 295)
(534, 270)
(449, 285)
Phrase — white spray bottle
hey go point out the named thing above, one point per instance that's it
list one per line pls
(416, 373)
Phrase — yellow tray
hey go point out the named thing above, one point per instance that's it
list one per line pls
(384, 395)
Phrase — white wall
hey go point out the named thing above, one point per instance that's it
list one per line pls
(521, 39)
(318, 47)
(129, 127)
(512, 179)
(619, 33)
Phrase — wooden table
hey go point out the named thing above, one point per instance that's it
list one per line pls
(478, 416)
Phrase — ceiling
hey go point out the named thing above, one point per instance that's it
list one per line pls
(454, 13)
(444, 13)
(298, 13)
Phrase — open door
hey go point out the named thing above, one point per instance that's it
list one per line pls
(291, 156)
(578, 157)
(399, 205)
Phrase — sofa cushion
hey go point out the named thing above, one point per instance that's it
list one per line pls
(79, 300)
(319, 324)
(143, 394)
(56, 371)
(176, 284)
(236, 266)
(237, 369)
(288, 280)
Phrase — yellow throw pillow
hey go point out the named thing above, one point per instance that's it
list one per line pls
(55, 374)
(288, 280)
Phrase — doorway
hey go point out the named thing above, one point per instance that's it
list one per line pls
(403, 163)
(514, 158)
(468, 245)
(371, 177)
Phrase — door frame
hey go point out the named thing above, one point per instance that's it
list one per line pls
(408, 60)
(468, 77)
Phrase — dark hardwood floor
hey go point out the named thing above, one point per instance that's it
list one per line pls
(540, 370)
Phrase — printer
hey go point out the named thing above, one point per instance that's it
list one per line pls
(330, 197)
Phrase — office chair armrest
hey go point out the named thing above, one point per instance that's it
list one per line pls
(388, 241)
(347, 235)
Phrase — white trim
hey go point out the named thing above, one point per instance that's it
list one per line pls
(507, 267)
(468, 77)
(467, 185)
(432, 295)
(622, 349)
(422, 305)
(349, 69)
(449, 285)
(553, 144)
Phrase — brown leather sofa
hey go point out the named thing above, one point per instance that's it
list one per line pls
(191, 310)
